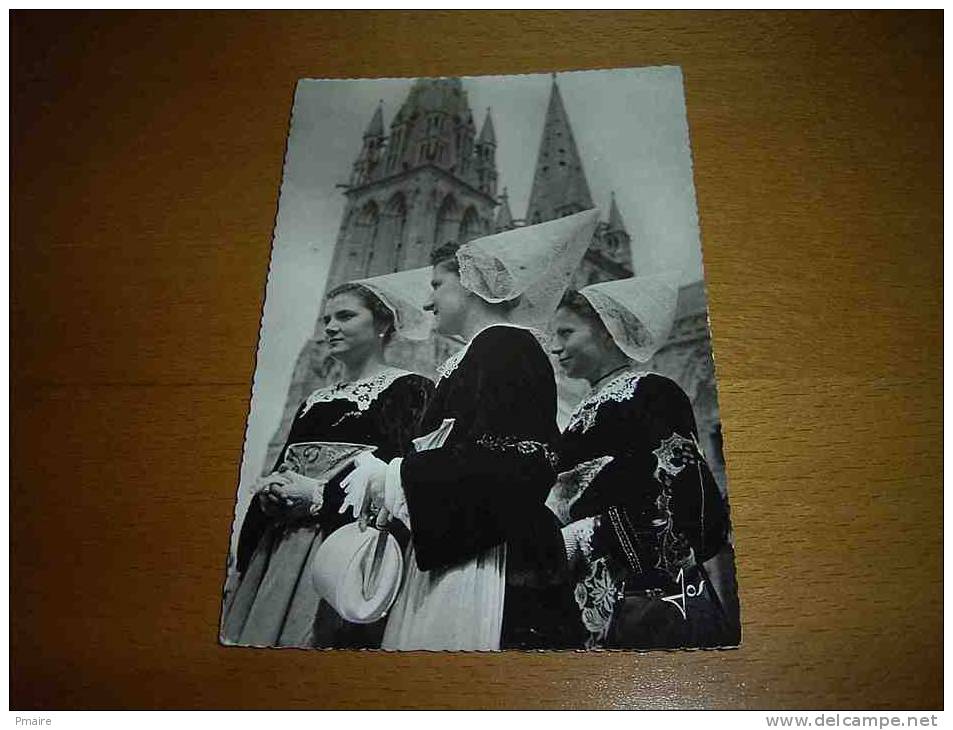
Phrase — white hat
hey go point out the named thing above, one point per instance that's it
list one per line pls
(534, 263)
(358, 573)
(638, 312)
(404, 294)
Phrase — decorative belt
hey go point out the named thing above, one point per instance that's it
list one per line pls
(650, 593)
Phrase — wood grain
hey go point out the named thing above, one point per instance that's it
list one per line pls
(146, 156)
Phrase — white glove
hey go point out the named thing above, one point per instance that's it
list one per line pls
(364, 486)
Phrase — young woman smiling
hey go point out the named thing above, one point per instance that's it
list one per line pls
(641, 509)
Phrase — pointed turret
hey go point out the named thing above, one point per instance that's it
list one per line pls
(615, 217)
(616, 242)
(504, 216)
(466, 134)
(559, 186)
(485, 154)
(367, 166)
(376, 127)
(488, 134)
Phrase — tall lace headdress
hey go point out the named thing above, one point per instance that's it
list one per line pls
(404, 294)
(534, 263)
(638, 312)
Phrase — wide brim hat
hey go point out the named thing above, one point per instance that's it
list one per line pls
(358, 573)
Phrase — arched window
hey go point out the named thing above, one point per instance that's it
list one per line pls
(363, 240)
(390, 240)
(448, 222)
(394, 147)
(470, 225)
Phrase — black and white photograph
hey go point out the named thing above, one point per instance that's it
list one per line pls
(485, 412)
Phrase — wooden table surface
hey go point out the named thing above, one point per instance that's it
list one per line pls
(147, 151)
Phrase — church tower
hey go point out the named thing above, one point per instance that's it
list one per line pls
(428, 182)
(560, 188)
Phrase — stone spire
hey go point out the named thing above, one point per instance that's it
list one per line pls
(367, 165)
(615, 217)
(488, 134)
(376, 127)
(504, 216)
(485, 154)
(559, 186)
(616, 241)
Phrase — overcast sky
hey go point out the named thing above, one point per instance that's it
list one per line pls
(631, 131)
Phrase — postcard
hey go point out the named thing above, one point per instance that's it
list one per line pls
(485, 413)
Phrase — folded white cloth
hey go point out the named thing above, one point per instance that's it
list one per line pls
(436, 438)
(357, 573)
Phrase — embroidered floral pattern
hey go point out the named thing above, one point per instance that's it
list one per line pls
(524, 447)
(360, 392)
(619, 389)
(674, 454)
(595, 596)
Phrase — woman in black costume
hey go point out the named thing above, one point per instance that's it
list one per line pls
(276, 603)
(487, 568)
(642, 510)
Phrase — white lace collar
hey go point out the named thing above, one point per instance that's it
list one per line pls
(621, 388)
(452, 362)
(361, 392)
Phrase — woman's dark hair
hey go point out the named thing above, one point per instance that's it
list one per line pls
(579, 305)
(383, 317)
(446, 255)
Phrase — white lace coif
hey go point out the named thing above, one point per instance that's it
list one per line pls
(534, 263)
(638, 312)
(404, 294)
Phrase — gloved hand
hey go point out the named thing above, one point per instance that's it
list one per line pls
(364, 488)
